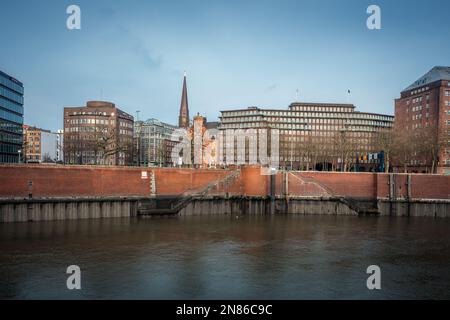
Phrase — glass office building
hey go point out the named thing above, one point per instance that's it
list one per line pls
(151, 137)
(11, 119)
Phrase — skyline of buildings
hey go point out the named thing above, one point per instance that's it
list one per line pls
(140, 53)
(311, 134)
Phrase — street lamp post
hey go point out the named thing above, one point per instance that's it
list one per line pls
(138, 140)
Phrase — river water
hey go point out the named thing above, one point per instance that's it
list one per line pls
(226, 257)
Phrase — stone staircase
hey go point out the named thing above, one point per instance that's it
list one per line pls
(173, 205)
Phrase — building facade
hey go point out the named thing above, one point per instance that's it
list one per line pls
(203, 135)
(39, 145)
(422, 114)
(151, 139)
(11, 119)
(311, 136)
(98, 134)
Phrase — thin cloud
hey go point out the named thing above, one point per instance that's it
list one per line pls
(271, 88)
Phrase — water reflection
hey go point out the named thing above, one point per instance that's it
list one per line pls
(222, 257)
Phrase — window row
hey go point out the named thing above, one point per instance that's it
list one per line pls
(419, 90)
(10, 138)
(9, 148)
(12, 95)
(11, 84)
(7, 115)
(232, 116)
(94, 113)
(7, 104)
(322, 109)
(91, 121)
(6, 158)
(11, 127)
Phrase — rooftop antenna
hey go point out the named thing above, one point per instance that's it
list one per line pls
(137, 115)
(296, 95)
(348, 96)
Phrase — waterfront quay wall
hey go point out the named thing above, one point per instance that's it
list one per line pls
(66, 209)
(58, 181)
(56, 192)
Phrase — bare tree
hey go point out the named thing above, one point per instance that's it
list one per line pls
(385, 141)
(430, 143)
(108, 144)
(345, 148)
(309, 150)
(405, 148)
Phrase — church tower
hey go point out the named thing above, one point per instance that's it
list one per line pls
(183, 120)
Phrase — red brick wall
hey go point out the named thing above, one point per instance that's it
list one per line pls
(364, 185)
(66, 181)
(88, 181)
(179, 181)
(360, 185)
(430, 187)
(382, 185)
(253, 183)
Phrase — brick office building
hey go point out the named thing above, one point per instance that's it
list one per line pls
(315, 136)
(422, 113)
(98, 134)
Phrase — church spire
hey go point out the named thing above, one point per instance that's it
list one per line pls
(183, 120)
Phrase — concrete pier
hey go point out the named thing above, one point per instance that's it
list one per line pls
(70, 209)
(29, 210)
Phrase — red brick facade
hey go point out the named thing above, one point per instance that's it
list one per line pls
(425, 107)
(90, 181)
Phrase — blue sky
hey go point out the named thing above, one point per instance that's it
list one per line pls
(236, 53)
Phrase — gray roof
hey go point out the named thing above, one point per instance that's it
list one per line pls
(435, 74)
